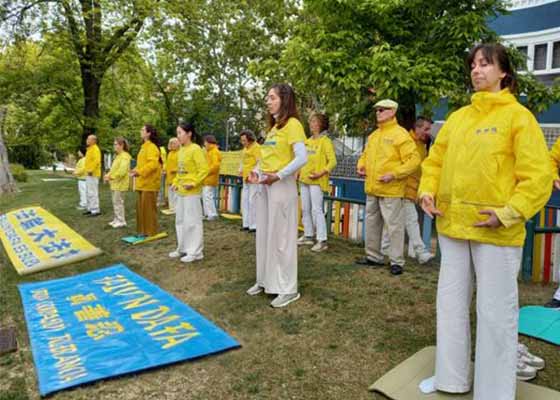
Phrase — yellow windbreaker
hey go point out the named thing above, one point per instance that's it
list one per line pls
(171, 167)
(555, 159)
(490, 154)
(320, 157)
(389, 149)
(413, 180)
(192, 168)
(148, 167)
(277, 151)
(214, 158)
(119, 172)
(93, 160)
(250, 156)
(80, 171)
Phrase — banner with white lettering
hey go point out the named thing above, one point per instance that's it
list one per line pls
(110, 322)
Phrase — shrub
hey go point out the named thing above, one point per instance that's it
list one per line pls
(18, 172)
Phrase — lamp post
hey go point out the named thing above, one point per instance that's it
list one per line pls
(230, 125)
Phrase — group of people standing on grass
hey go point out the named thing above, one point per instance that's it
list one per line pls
(487, 172)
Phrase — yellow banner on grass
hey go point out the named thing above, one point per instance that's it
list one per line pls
(36, 240)
(231, 160)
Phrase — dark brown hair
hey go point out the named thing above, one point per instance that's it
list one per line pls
(210, 139)
(323, 120)
(248, 134)
(154, 138)
(195, 137)
(496, 53)
(288, 107)
(123, 142)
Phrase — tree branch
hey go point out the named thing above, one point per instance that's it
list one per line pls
(74, 30)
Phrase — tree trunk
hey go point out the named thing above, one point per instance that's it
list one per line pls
(7, 182)
(91, 86)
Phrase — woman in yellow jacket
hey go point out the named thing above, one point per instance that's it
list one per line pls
(314, 180)
(80, 174)
(118, 179)
(171, 171)
(148, 176)
(210, 184)
(487, 173)
(282, 154)
(192, 169)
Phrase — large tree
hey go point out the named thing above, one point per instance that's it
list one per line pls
(97, 31)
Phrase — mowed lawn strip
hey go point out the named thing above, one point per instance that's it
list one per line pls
(351, 325)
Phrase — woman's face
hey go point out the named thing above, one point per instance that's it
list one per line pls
(144, 134)
(273, 102)
(244, 141)
(485, 76)
(182, 135)
(207, 145)
(172, 146)
(118, 147)
(315, 126)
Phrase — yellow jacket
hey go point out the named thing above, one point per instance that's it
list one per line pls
(490, 154)
(119, 172)
(320, 157)
(80, 171)
(192, 168)
(214, 158)
(555, 159)
(93, 160)
(163, 156)
(149, 168)
(389, 149)
(171, 166)
(413, 180)
(250, 156)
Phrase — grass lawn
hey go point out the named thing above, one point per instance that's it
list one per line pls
(350, 326)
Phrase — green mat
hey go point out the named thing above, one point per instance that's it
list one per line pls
(401, 383)
(540, 322)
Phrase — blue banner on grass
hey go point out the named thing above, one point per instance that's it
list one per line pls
(110, 322)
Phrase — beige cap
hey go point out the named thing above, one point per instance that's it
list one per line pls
(387, 103)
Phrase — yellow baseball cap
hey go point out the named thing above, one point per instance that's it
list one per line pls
(387, 103)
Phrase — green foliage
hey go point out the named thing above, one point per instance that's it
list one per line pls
(18, 172)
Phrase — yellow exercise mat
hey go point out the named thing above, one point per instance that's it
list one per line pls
(140, 239)
(168, 212)
(401, 383)
(231, 216)
(36, 240)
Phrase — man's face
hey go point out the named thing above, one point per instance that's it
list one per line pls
(384, 114)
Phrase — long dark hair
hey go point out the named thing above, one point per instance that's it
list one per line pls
(496, 53)
(195, 137)
(288, 108)
(154, 138)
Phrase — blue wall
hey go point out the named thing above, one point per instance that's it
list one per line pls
(530, 19)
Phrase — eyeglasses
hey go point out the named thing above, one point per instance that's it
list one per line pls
(381, 109)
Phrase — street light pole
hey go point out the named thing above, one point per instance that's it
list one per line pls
(229, 124)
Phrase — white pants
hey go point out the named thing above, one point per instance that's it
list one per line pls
(415, 244)
(277, 225)
(82, 190)
(172, 198)
(188, 224)
(557, 294)
(118, 206)
(209, 201)
(313, 216)
(248, 205)
(92, 193)
(388, 211)
(496, 269)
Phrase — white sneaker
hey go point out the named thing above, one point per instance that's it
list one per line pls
(423, 258)
(112, 223)
(320, 246)
(119, 225)
(531, 360)
(525, 372)
(305, 241)
(176, 254)
(282, 300)
(254, 290)
(188, 258)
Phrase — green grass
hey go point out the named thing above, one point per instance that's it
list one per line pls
(350, 327)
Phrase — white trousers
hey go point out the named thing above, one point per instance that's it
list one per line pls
(172, 198)
(209, 201)
(277, 225)
(188, 225)
(248, 205)
(92, 193)
(118, 206)
(313, 216)
(496, 269)
(82, 190)
(557, 294)
(415, 244)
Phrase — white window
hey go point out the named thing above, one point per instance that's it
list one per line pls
(556, 55)
(524, 51)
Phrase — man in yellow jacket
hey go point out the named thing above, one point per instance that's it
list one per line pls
(210, 184)
(389, 157)
(93, 171)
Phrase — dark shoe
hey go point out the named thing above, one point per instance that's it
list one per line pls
(553, 304)
(368, 262)
(244, 229)
(252, 230)
(97, 214)
(86, 213)
(396, 270)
